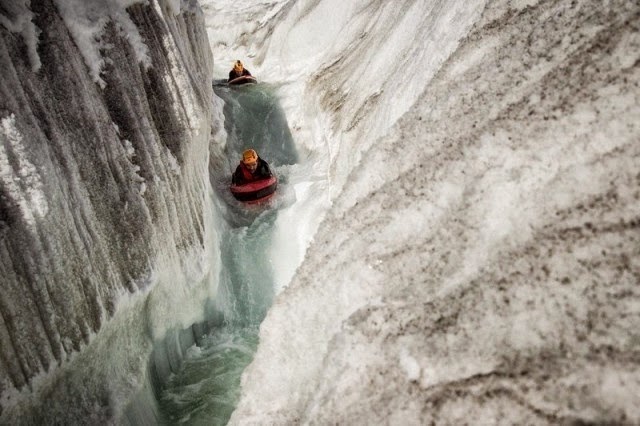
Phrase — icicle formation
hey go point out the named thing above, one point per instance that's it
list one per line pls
(104, 129)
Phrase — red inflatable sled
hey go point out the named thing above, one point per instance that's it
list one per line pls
(255, 192)
(243, 79)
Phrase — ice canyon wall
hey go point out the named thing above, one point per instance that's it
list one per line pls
(482, 262)
(105, 112)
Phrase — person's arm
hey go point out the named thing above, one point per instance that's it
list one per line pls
(236, 177)
(232, 75)
(265, 170)
(245, 72)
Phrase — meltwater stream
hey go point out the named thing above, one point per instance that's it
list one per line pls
(206, 388)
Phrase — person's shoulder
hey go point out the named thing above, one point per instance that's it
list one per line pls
(265, 169)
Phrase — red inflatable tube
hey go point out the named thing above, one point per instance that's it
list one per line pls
(255, 192)
(243, 79)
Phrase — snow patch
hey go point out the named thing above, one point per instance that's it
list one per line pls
(17, 18)
(18, 175)
(409, 365)
(87, 21)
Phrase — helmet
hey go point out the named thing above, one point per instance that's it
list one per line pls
(249, 156)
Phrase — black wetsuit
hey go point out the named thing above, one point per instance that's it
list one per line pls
(233, 74)
(242, 175)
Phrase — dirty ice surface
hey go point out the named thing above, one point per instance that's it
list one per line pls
(469, 243)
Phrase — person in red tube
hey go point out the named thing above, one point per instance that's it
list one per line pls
(250, 169)
(238, 70)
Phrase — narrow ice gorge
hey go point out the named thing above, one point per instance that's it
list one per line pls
(464, 245)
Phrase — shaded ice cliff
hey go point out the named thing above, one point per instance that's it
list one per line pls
(481, 258)
(106, 239)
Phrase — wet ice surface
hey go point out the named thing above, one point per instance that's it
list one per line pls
(480, 261)
(207, 387)
(106, 232)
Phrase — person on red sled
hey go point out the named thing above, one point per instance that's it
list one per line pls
(250, 169)
(238, 70)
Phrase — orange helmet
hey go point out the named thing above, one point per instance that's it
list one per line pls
(249, 156)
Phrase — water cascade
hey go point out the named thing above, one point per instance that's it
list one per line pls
(206, 386)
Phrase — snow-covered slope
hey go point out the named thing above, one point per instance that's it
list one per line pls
(481, 262)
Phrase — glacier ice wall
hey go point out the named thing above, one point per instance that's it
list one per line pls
(106, 116)
(481, 261)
